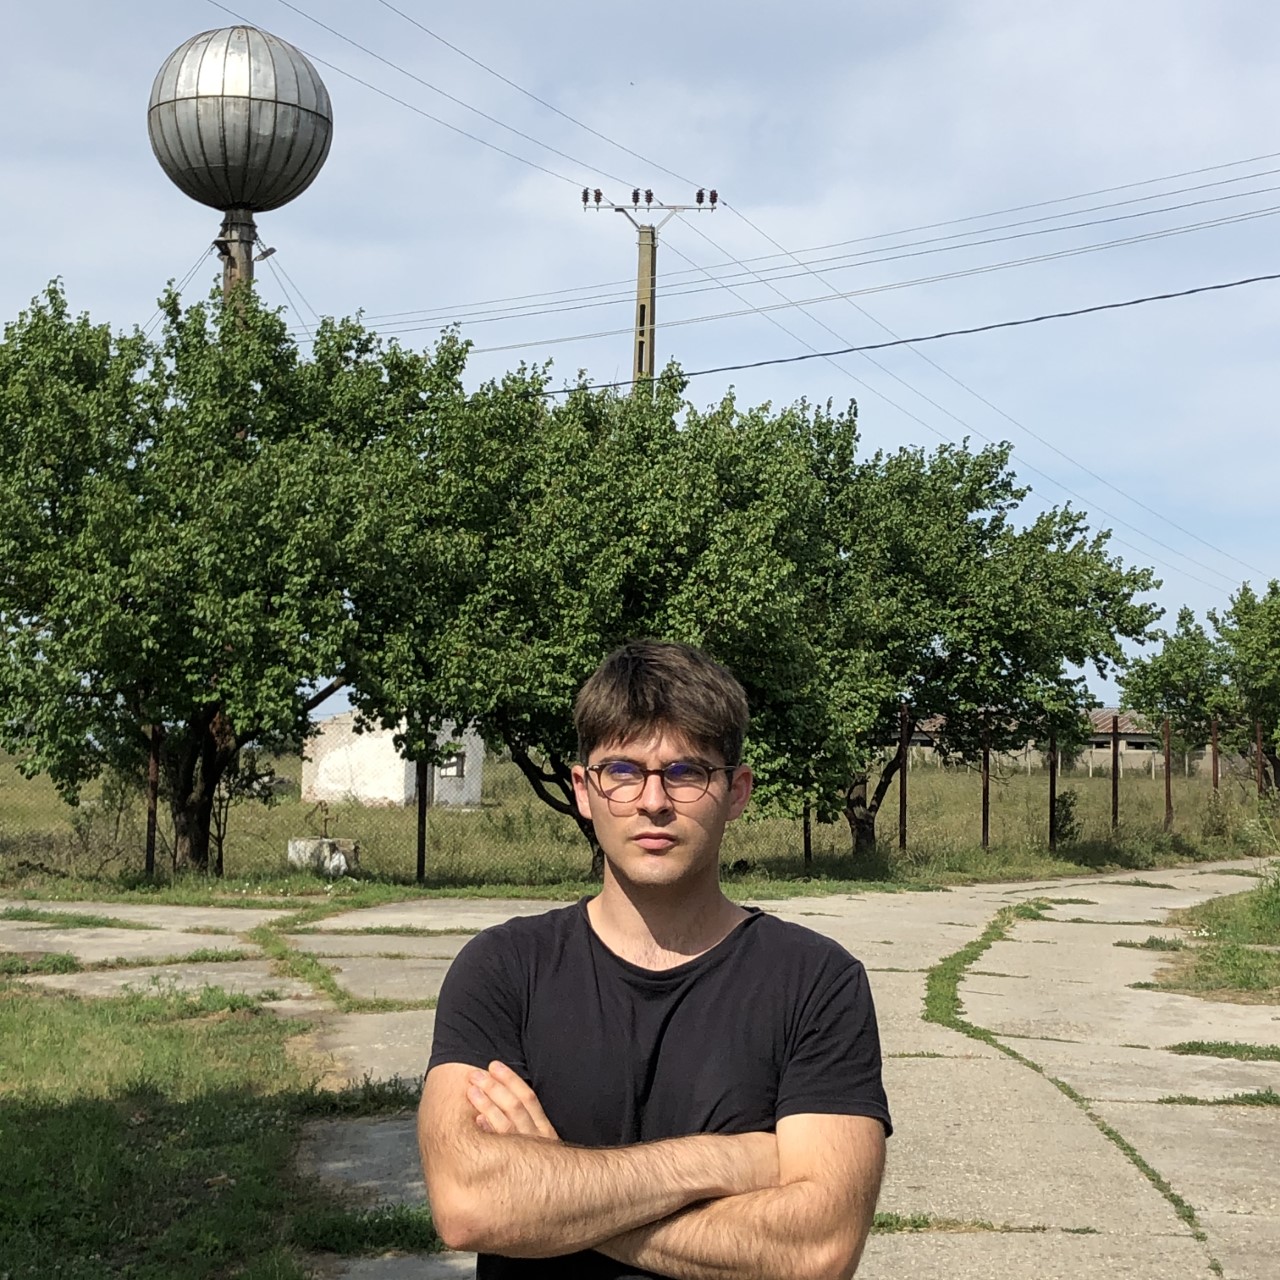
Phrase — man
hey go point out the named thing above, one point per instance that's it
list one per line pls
(656, 1081)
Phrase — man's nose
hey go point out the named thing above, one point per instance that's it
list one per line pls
(654, 798)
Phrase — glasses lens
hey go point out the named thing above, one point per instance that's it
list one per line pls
(620, 780)
(685, 781)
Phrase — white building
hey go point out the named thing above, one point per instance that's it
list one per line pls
(340, 764)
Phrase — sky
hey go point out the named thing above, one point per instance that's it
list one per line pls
(1026, 130)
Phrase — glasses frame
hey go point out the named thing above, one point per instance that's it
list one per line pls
(712, 770)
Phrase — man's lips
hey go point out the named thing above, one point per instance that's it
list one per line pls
(655, 841)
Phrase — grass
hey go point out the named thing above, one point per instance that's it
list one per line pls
(896, 1223)
(1153, 943)
(1223, 971)
(1227, 1049)
(1231, 963)
(1260, 1098)
(15, 964)
(70, 919)
(516, 846)
(152, 1136)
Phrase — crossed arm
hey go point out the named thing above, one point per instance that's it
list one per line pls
(797, 1206)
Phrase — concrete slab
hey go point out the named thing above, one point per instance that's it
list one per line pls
(1044, 1011)
(992, 1141)
(245, 977)
(92, 946)
(439, 913)
(1080, 954)
(1247, 1245)
(373, 978)
(1116, 1073)
(899, 999)
(382, 1046)
(398, 1266)
(1053, 1255)
(237, 919)
(378, 944)
(373, 1159)
(1222, 1159)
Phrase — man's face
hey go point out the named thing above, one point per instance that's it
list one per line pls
(651, 838)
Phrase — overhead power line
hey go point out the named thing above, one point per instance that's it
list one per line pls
(808, 267)
(413, 322)
(619, 290)
(946, 333)
(391, 97)
(801, 303)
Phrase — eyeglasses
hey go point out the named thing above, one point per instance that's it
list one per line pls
(682, 780)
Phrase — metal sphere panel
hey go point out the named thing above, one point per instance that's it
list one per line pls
(240, 119)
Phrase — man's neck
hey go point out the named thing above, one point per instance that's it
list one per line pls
(663, 928)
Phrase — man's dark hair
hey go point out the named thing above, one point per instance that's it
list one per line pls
(648, 686)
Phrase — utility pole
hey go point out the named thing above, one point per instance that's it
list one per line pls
(643, 361)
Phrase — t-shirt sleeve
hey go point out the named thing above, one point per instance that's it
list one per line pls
(834, 1065)
(480, 1010)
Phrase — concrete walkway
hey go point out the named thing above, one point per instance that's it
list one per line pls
(1026, 1167)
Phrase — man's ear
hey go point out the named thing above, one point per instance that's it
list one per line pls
(581, 791)
(740, 790)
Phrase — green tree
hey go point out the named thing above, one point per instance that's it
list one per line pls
(181, 524)
(936, 599)
(1186, 681)
(1249, 632)
(587, 521)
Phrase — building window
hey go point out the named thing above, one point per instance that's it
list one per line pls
(1139, 746)
(453, 767)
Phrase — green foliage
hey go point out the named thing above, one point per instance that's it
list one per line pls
(1249, 631)
(1228, 1049)
(180, 525)
(206, 527)
(1186, 681)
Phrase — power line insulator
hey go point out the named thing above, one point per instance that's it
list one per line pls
(586, 196)
(635, 195)
(598, 194)
(648, 196)
(715, 196)
(701, 196)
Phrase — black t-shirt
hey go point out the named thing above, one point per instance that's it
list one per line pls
(775, 1020)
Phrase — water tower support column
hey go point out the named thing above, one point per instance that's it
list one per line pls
(235, 245)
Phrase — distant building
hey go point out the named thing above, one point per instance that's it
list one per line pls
(340, 764)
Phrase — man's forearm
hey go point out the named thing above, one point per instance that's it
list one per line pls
(782, 1233)
(529, 1197)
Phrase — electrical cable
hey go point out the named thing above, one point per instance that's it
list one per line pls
(416, 321)
(946, 333)
(391, 97)
(794, 257)
(178, 288)
(271, 264)
(426, 84)
(1024, 464)
(615, 291)
(528, 93)
(315, 315)
(1089, 471)
(891, 287)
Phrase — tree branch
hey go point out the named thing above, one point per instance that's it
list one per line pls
(327, 692)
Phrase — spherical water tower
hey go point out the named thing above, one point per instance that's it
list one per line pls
(240, 121)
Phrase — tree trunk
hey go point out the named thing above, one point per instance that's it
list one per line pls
(861, 808)
(201, 756)
(553, 785)
(861, 817)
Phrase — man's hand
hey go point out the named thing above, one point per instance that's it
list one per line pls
(505, 1104)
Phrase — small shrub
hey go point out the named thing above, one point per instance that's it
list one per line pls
(1070, 828)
